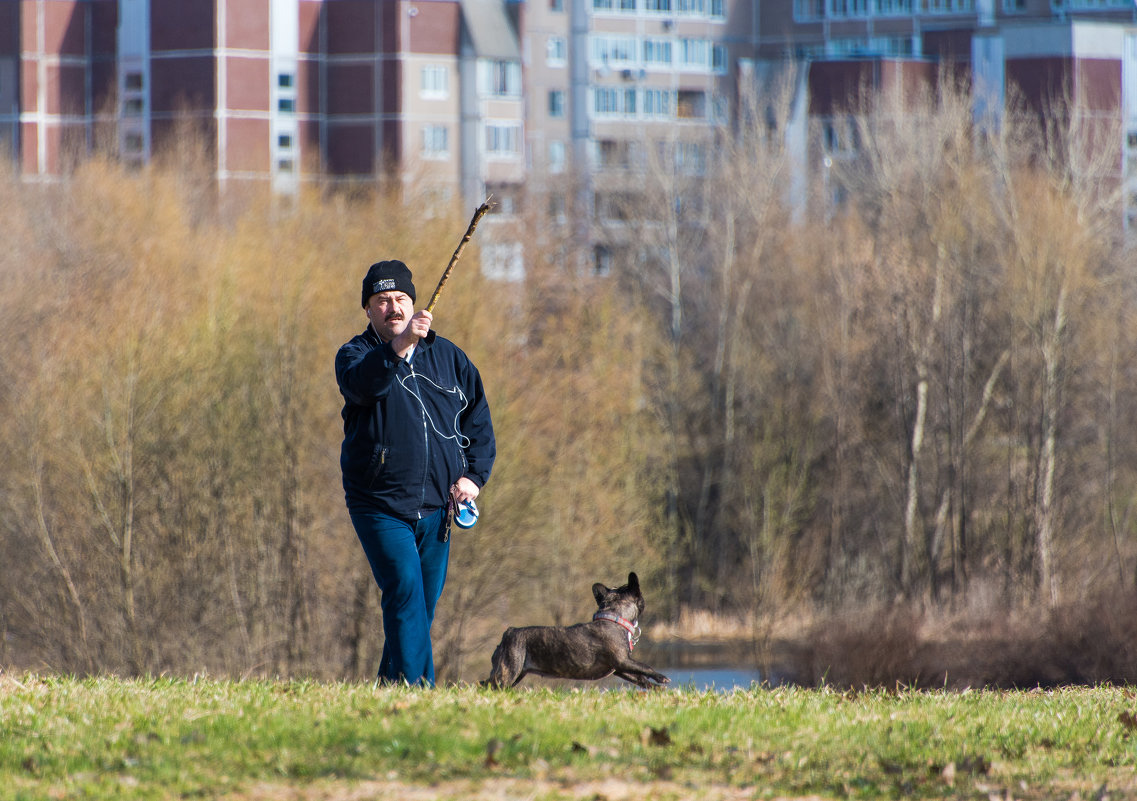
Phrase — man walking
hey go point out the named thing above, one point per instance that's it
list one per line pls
(418, 441)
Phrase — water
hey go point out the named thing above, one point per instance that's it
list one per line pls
(722, 679)
(700, 679)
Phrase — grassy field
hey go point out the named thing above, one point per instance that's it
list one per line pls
(204, 738)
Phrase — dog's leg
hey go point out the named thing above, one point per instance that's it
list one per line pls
(640, 674)
(508, 662)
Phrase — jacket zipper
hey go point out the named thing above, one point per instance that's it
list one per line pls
(425, 445)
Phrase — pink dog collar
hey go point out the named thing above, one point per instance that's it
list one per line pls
(631, 628)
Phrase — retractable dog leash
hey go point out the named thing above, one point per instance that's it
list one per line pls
(466, 515)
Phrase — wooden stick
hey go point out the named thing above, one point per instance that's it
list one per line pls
(478, 214)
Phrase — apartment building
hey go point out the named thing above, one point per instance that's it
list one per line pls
(551, 106)
(1043, 52)
(283, 89)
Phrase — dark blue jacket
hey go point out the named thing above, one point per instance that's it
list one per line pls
(411, 429)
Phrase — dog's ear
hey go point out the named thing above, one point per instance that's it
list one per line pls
(633, 583)
(598, 592)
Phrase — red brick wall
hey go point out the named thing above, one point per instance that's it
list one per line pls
(247, 83)
(182, 25)
(247, 24)
(434, 29)
(352, 25)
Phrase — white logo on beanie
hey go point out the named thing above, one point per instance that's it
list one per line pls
(383, 285)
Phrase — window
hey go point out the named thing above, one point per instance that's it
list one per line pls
(556, 103)
(503, 261)
(286, 104)
(805, 10)
(557, 208)
(556, 156)
(848, 8)
(956, 6)
(657, 52)
(501, 78)
(602, 5)
(284, 141)
(614, 153)
(615, 51)
(132, 106)
(604, 100)
(616, 206)
(556, 5)
(691, 158)
(610, 100)
(556, 51)
(435, 141)
(694, 53)
(691, 104)
(658, 6)
(627, 5)
(284, 165)
(132, 82)
(503, 139)
(718, 59)
(133, 143)
(284, 80)
(435, 82)
(506, 204)
(658, 102)
(840, 136)
(602, 260)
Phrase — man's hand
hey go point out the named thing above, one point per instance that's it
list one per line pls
(464, 490)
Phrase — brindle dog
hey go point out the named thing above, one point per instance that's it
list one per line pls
(586, 651)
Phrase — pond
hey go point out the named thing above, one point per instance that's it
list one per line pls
(720, 679)
(716, 665)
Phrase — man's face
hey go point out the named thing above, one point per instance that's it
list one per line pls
(390, 312)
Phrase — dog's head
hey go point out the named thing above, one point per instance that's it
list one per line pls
(626, 601)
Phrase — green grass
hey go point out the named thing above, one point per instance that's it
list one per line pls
(202, 738)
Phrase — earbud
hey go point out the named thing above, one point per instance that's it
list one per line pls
(368, 313)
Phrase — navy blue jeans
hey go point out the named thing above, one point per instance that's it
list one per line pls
(408, 560)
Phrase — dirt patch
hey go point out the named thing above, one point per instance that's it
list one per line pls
(501, 789)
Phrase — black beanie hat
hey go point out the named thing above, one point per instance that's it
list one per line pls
(387, 276)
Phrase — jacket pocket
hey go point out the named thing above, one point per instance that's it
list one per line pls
(376, 465)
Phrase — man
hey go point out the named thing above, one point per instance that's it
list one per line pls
(418, 440)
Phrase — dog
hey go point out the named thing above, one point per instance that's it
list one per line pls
(587, 651)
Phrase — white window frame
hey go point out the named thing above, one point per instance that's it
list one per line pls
(435, 142)
(720, 59)
(557, 104)
(949, 6)
(809, 10)
(614, 101)
(499, 78)
(615, 51)
(502, 139)
(657, 52)
(658, 103)
(556, 51)
(895, 8)
(434, 82)
(557, 156)
(694, 53)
